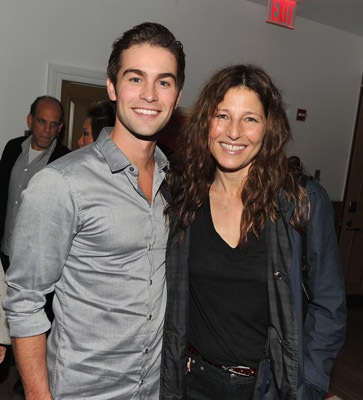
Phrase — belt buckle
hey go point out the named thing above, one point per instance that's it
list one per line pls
(233, 370)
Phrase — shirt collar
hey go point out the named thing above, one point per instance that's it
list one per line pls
(116, 159)
(27, 143)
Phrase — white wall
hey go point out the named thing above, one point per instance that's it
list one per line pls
(317, 67)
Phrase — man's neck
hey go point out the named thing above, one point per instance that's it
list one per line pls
(139, 152)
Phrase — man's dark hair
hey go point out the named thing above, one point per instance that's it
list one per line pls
(33, 107)
(155, 35)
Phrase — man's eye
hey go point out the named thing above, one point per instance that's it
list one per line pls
(136, 80)
(55, 124)
(164, 83)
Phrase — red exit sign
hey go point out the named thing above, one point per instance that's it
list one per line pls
(282, 12)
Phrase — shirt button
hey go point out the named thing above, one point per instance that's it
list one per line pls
(132, 169)
(146, 351)
(16, 202)
(141, 382)
(150, 282)
(26, 169)
(149, 317)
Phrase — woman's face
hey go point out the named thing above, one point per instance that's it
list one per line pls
(86, 137)
(237, 130)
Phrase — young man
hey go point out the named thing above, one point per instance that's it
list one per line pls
(96, 234)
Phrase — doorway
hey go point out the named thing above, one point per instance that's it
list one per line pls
(76, 99)
(351, 231)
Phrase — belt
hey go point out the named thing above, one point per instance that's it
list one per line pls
(239, 370)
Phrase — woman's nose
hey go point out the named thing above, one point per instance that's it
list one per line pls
(234, 130)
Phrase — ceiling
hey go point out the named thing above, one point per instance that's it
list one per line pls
(341, 14)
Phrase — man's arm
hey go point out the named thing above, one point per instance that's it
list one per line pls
(45, 225)
(2, 353)
(30, 355)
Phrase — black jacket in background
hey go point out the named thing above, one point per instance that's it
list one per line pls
(10, 154)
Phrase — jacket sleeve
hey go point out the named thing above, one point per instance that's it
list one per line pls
(10, 154)
(45, 225)
(59, 151)
(325, 322)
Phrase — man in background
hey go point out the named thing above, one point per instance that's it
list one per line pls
(22, 158)
(96, 234)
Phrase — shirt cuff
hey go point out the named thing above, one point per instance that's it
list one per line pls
(30, 325)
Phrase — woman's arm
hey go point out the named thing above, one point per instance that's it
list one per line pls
(325, 322)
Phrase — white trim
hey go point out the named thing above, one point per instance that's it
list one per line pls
(70, 124)
(57, 73)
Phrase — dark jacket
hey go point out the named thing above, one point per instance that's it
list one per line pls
(10, 154)
(299, 354)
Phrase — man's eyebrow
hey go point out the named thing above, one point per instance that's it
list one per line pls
(133, 71)
(167, 75)
(141, 73)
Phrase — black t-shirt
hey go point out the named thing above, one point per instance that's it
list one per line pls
(228, 296)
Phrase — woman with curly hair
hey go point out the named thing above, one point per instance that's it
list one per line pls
(244, 227)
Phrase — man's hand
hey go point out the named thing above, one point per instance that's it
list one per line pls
(2, 353)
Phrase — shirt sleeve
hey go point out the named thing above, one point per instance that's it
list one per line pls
(325, 322)
(44, 228)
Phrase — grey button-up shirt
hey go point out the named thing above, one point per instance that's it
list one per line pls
(22, 172)
(86, 229)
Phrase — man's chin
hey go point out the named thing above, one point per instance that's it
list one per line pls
(147, 135)
(44, 146)
(147, 138)
(41, 146)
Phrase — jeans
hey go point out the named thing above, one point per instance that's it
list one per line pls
(206, 382)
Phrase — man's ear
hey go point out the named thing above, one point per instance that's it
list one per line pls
(29, 120)
(178, 99)
(60, 127)
(111, 90)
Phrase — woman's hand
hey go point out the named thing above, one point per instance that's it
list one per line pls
(188, 361)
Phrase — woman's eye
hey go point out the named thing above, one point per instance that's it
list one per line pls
(251, 119)
(221, 116)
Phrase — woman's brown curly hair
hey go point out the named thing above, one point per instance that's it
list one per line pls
(193, 167)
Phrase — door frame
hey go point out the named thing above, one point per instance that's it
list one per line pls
(57, 73)
(346, 242)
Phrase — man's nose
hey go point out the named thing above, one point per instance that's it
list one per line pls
(47, 127)
(149, 93)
